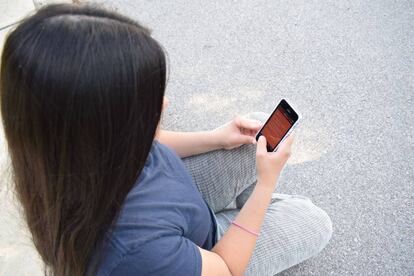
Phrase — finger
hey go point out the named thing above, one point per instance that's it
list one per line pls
(248, 139)
(248, 124)
(243, 139)
(261, 146)
(250, 133)
(254, 142)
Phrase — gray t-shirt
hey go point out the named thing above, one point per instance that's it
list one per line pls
(162, 220)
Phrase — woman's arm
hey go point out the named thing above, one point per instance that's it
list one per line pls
(231, 135)
(189, 143)
(232, 253)
(230, 256)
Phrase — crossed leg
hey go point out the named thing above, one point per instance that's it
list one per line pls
(294, 229)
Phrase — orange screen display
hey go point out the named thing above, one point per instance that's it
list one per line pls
(277, 126)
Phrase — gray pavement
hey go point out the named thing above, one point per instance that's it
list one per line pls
(348, 67)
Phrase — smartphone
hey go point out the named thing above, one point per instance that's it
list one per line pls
(282, 121)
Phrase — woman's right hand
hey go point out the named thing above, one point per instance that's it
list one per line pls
(270, 164)
(225, 257)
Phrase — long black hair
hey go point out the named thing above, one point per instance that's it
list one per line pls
(81, 96)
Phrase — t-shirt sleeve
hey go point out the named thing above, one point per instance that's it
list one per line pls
(170, 255)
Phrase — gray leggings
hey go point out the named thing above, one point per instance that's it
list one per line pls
(294, 229)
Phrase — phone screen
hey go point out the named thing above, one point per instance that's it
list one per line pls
(278, 125)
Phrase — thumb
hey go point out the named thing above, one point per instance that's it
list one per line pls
(261, 146)
(286, 144)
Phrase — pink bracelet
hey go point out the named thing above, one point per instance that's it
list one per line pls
(245, 229)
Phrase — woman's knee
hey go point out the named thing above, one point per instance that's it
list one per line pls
(316, 219)
(294, 230)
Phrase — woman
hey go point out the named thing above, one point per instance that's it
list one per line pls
(104, 190)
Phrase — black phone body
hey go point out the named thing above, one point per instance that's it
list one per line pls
(282, 121)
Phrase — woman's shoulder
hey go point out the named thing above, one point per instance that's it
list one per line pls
(164, 179)
(164, 151)
(163, 160)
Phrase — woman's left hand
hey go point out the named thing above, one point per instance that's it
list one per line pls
(237, 132)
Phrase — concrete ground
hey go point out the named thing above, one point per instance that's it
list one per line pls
(348, 68)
